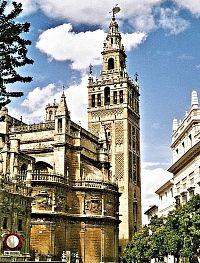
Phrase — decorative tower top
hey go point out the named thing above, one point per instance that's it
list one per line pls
(114, 57)
(194, 99)
(62, 107)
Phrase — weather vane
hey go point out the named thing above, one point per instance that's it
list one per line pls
(90, 68)
(115, 10)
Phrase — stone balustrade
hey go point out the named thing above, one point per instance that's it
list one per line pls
(94, 184)
(34, 127)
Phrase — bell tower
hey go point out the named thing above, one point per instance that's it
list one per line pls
(113, 102)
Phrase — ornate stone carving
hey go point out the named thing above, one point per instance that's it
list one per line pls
(93, 204)
(119, 133)
(119, 163)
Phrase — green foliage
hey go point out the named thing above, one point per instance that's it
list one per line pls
(13, 49)
(177, 234)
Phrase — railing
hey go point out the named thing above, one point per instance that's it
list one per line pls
(94, 184)
(38, 176)
(34, 127)
(10, 186)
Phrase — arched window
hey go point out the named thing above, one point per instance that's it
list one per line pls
(111, 63)
(107, 95)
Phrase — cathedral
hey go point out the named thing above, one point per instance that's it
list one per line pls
(84, 184)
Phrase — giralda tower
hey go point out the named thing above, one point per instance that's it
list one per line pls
(113, 106)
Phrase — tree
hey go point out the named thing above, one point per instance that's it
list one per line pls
(13, 51)
(177, 234)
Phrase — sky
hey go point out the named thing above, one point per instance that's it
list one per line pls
(162, 42)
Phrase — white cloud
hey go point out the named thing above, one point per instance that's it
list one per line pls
(138, 13)
(152, 179)
(171, 21)
(141, 15)
(61, 43)
(192, 5)
(83, 48)
(33, 107)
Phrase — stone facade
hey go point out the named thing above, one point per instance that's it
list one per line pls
(113, 106)
(15, 217)
(75, 201)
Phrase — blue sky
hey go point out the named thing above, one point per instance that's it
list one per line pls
(162, 40)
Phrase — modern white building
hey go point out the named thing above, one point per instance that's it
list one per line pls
(185, 168)
(166, 200)
(186, 153)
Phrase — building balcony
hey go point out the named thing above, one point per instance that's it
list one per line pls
(94, 184)
(44, 177)
(53, 178)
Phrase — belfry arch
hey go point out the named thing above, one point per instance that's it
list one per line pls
(111, 63)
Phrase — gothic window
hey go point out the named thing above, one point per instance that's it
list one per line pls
(107, 95)
(93, 100)
(111, 40)
(121, 99)
(115, 97)
(99, 99)
(111, 63)
(59, 125)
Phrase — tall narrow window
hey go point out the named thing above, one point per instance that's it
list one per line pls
(59, 125)
(121, 64)
(19, 224)
(5, 223)
(111, 63)
(115, 97)
(107, 95)
(99, 99)
(50, 115)
(121, 99)
(190, 140)
(93, 100)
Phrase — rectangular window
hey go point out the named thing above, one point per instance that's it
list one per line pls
(135, 211)
(115, 97)
(99, 100)
(93, 100)
(121, 97)
(5, 223)
(19, 224)
(59, 125)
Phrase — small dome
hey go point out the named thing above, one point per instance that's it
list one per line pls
(91, 173)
